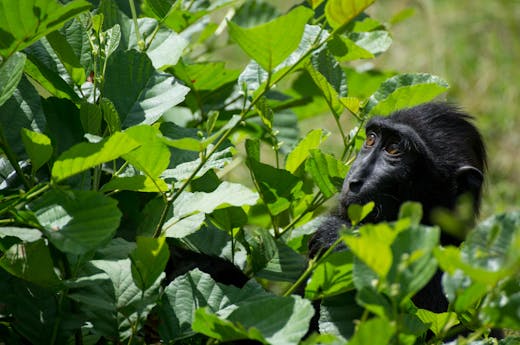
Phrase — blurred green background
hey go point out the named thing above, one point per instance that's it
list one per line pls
(475, 46)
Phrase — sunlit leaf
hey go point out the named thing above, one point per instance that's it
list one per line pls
(38, 147)
(84, 156)
(24, 22)
(77, 221)
(341, 12)
(11, 72)
(299, 154)
(148, 260)
(404, 91)
(265, 45)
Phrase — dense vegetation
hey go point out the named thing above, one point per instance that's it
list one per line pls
(123, 134)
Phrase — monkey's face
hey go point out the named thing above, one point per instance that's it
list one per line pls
(384, 172)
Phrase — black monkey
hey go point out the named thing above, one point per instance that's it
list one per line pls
(431, 154)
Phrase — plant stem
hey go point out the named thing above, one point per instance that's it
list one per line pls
(140, 42)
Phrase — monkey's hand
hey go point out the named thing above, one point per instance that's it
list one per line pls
(326, 235)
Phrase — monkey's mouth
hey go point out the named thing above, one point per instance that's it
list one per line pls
(386, 206)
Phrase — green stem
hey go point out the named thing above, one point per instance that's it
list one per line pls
(140, 42)
(313, 263)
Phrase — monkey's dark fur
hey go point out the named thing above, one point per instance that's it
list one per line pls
(431, 154)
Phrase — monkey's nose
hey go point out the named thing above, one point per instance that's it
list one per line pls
(355, 185)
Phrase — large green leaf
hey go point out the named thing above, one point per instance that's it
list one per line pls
(67, 56)
(24, 22)
(301, 152)
(148, 260)
(140, 93)
(77, 221)
(195, 290)
(22, 110)
(341, 12)
(189, 208)
(111, 300)
(44, 66)
(152, 156)
(271, 320)
(332, 276)
(328, 75)
(265, 44)
(38, 147)
(84, 156)
(280, 320)
(11, 72)
(31, 262)
(404, 91)
(327, 172)
(284, 265)
(372, 247)
(205, 76)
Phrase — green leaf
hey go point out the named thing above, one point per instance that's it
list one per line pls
(328, 75)
(223, 330)
(112, 302)
(189, 209)
(327, 172)
(138, 183)
(338, 314)
(140, 93)
(283, 265)
(265, 112)
(265, 44)
(345, 50)
(44, 66)
(194, 290)
(159, 7)
(152, 156)
(24, 22)
(356, 213)
(91, 117)
(148, 260)
(24, 234)
(373, 247)
(375, 42)
(205, 76)
(25, 106)
(412, 211)
(438, 322)
(373, 331)
(404, 91)
(253, 13)
(450, 259)
(341, 12)
(331, 277)
(84, 156)
(414, 264)
(77, 221)
(67, 57)
(11, 72)
(277, 186)
(38, 147)
(278, 320)
(301, 152)
(31, 262)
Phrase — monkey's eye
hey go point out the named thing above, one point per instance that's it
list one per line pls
(393, 149)
(371, 139)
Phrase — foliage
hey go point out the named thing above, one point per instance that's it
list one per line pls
(117, 130)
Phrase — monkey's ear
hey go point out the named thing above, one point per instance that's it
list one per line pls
(469, 179)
